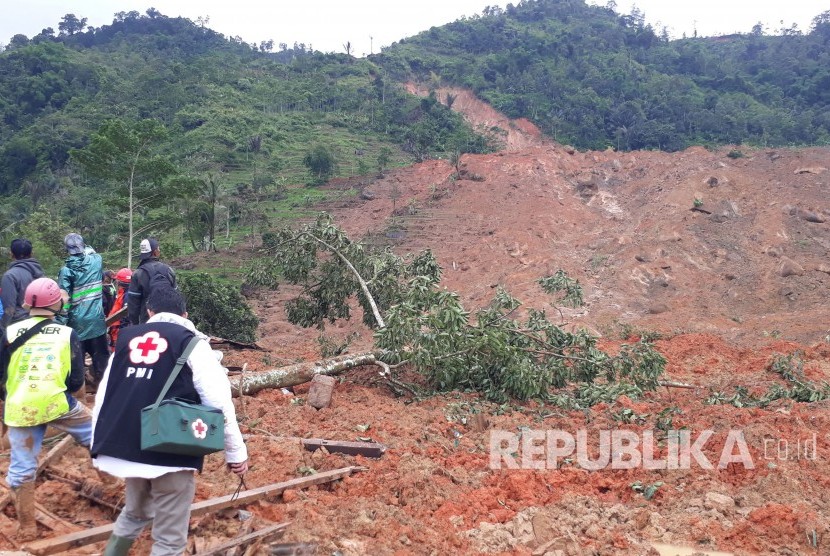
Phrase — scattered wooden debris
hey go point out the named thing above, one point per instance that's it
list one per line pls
(86, 489)
(117, 316)
(368, 449)
(233, 343)
(42, 514)
(57, 451)
(62, 543)
(263, 534)
(53, 522)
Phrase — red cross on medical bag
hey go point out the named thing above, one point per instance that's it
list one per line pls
(178, 426)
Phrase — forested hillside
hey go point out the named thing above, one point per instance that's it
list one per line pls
(209, 122)
(595, 78)
(225, 136)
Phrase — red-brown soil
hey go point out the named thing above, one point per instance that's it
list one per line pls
(728, 286)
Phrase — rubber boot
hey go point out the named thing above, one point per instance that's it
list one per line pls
(118, 546)
(24, 502)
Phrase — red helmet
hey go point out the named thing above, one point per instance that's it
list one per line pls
(42, 293)
(124, 275)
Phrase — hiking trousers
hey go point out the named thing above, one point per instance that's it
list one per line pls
(165, 501)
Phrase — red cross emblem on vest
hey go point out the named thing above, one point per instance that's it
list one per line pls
(147, 349)
(199, 429)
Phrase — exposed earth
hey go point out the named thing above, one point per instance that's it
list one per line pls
(722, 253)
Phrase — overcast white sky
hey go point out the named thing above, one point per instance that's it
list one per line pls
(371, 24)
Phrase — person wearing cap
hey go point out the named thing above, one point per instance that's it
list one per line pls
(20, 274)
(82, 278)
(150, 274)
(45, 365)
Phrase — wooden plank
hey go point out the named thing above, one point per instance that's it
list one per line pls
(247, 528)
(96, 534)
(53, 522)
(368, 449)
(273, 530)
(248, 496)
(117, 316)
(57, 451)
(233, 343)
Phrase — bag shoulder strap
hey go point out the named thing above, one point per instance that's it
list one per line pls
(175, 372)
(6, 350)
(26, 336)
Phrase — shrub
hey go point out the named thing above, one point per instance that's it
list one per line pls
(217, 308)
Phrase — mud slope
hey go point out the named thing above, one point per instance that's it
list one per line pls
(688, 241)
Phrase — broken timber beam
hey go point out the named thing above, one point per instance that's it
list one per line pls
(117, 316)
(368, 449)
(214, 340)
(55, 453)
(74, 540)
(273, 530)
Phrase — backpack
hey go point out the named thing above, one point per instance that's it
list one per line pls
(161, 277)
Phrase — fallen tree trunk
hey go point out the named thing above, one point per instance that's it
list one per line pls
(299, 373)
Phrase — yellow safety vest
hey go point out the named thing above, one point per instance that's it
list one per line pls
(36, 381)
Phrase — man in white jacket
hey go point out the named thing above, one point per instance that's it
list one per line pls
(159, 486)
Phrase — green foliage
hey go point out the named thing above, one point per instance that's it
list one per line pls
(648, 491)
(217, 308)
(791, 368)
(253, 116)
(321, 162)
(332, 347)
(592, 77)
(561, 282)
(125, 155)
(487, 350)
(735, 153)
(46, 231)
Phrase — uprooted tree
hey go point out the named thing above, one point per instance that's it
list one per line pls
(419, 324)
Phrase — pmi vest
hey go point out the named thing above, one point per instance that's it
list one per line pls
(144, 356)
(36, 382)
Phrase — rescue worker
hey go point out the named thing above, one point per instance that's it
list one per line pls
(150, 275)
(122, 282)
(81, 277)
(45, 365)
(159, 486)
(23, 269)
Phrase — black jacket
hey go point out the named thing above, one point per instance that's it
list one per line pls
(140, 288)
(12, 287)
